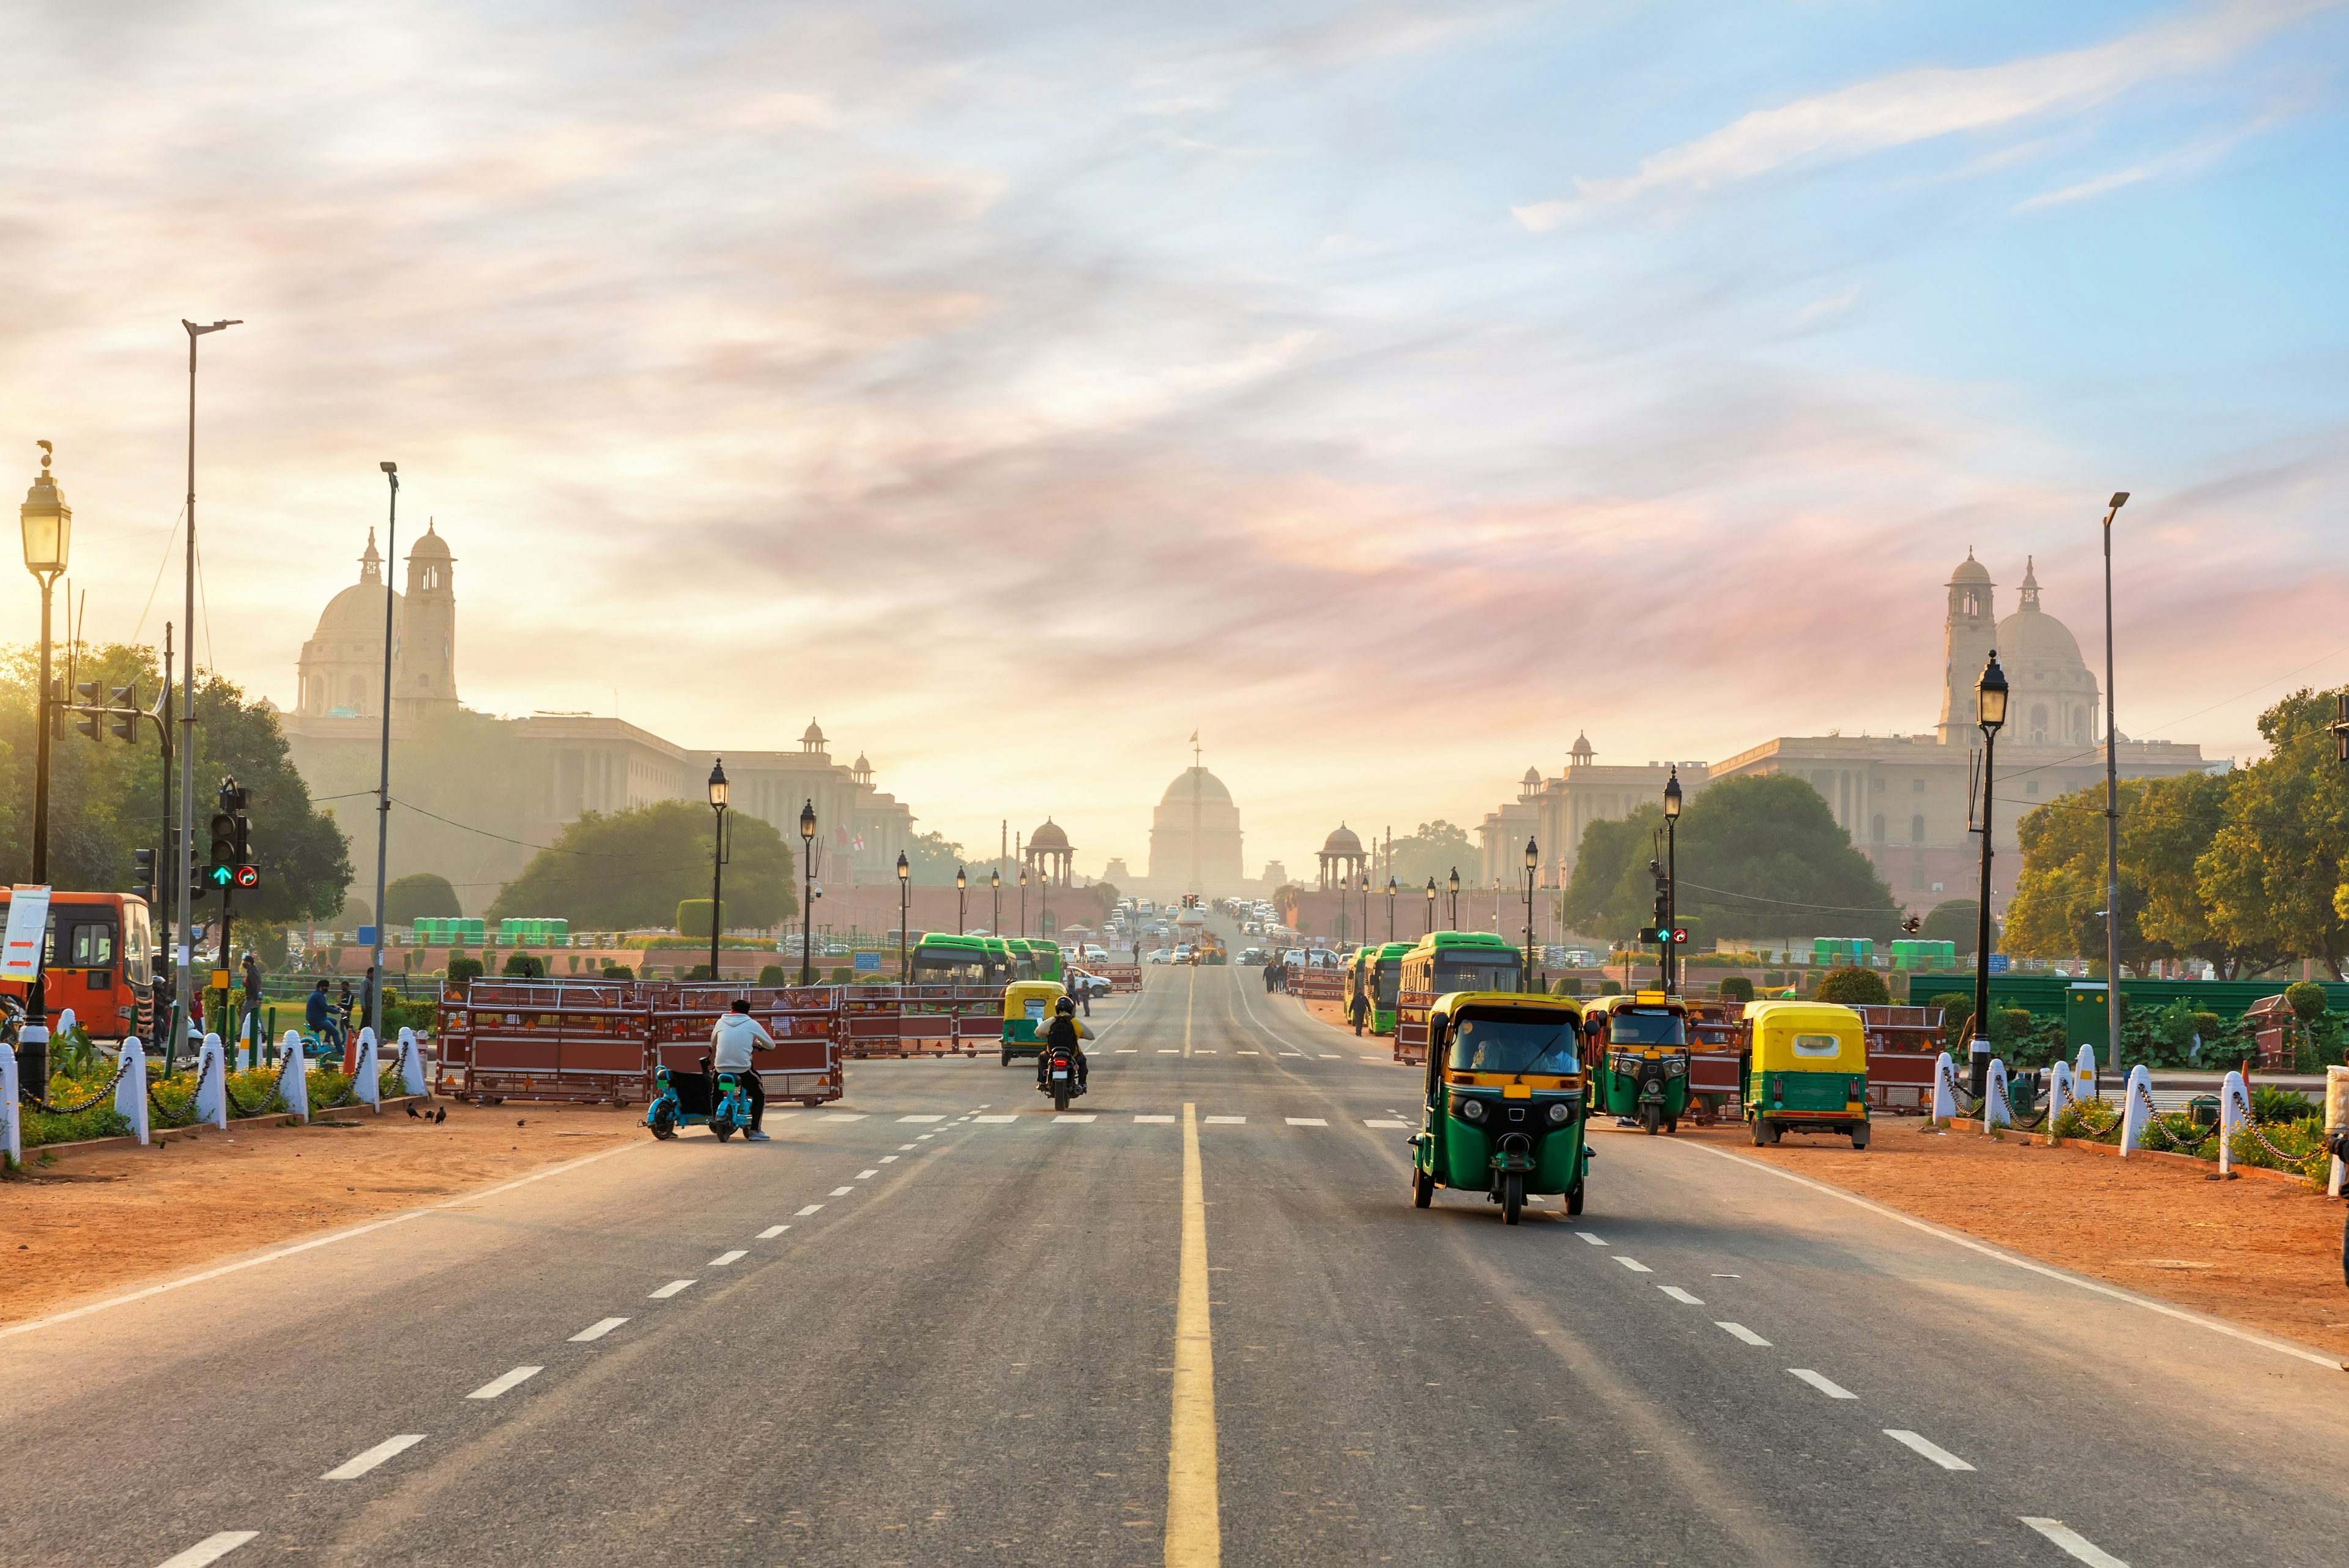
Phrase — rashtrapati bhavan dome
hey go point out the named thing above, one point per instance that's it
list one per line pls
(1902, 798)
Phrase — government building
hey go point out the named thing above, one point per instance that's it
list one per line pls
(1903, 799)
(496, 787)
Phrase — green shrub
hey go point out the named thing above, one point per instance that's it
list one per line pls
(1736, 988)
(1609, 988)
(619, 971)
(2302, 1142)
(2092, 1120)
(842, 974)
(1854, 987)
(2306, 1000)
(1566, 988)
(699, 971)
(461, 970)
(773, 974)
(693, 918)
(2272, 1105)
(523, 966)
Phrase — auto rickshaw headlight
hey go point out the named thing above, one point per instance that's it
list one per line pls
(1557, 1112)
(1472, 1110)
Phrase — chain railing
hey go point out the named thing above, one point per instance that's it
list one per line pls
(38, 1103)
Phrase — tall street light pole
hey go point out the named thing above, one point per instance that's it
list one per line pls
(1990, 712)
(719, 791)
(904, 892)
(807, 891)
(383, 759)
(1533, 858)
(962, 903)
(1391, 898)
(1023, 901)
(2112, 810)
(1671, 880)
(995, 882)
(1452, 883)
(47, 525)
(182, 986)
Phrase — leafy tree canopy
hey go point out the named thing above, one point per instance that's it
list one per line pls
(2268, 877)
(1957, 922)
(933, 858)
(1853, 988)
(421, 896)
(630, 869)
(107, 798)
(1436, 850)
(1761, 856)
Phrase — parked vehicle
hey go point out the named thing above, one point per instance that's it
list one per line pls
(99, 961)
(1504, 1102)
(1805, 1070)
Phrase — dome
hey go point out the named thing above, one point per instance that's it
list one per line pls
(430, 547)
(1532, 780)
(813, 736)
(1969, 571)
(356, 614)
(1210, 787)
(1342, 842)
(863, 764)
(1048, 836)
(2033, 636)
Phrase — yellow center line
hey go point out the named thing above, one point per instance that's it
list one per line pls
(1189, 996)
(1194, 1525)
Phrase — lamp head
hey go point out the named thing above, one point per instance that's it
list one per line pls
(807, 822)
(1672, 796)
(1453, 881)
(1990, 696)
(48, 523)
(2120, 499)
(1533, 855)
(904, 870)
(718, 789)
(995, 879)
(961, 881)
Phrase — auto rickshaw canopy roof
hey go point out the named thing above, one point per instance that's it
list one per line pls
(1778, 1025)
(1021, 992)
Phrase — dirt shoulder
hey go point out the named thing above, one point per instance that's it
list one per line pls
(2266, 1253)
(89, 1223)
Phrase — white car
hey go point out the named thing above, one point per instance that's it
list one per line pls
(1097, 953)
(1158, 955)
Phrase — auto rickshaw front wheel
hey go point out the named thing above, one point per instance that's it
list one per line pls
(1423, 1188)
(1512, 1196)
(1574, 1197)
(1651, 1117)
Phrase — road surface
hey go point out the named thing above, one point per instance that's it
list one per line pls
(1197, 1321)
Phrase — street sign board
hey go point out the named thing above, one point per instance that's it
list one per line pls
(367, 937)
(1998, 963)
(868, 964)
(29, 929)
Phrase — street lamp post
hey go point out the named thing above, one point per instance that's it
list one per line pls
(47, 524)
(1990, 712)
(383, 769)
(1533, 858)
(1428, 929)
(962, 889)
(1671, 880)
(1453, 882)
(1391, 890)
(904, 892)
(182, 976)
(995, 881)
(2112, 812)
(1023, 902)
(718, 792)
(807, 892)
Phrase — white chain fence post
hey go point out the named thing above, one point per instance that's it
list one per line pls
(411, 1063)
(2084, 1074)
(1945, 1103)
(2063, 1094)
(2137, 1107)
(212, 1083)
(2234, 1115)
(12, 1134)
(2337, 1119)
(366, 1083)
(1995, 1111)
(131, 1088)
(294, 1074)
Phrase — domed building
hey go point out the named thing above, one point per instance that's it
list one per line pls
(1195, 835)
(1050, 859)
(1343, 857)
(341, 670)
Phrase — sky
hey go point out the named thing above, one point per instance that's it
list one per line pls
(1388, 393)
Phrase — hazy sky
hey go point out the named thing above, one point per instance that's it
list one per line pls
(1388, 392)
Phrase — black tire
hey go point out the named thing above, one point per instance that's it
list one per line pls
(722, 1126)
(1760, 1131)
(1513, 1197)
(1574, 1197)
(1776, 1131)
(1061, 1097)
(1672, 1125)
(1859, 1135)
(663, 1122)
(1423, 1188)
(1651, 1117)
(1007, 1056)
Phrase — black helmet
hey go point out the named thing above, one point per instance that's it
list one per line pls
(1066, 1004)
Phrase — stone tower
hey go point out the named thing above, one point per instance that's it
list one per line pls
(1968, 636)
(424, 655)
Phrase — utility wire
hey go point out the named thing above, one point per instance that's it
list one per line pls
(1794, 903)
(160, 567)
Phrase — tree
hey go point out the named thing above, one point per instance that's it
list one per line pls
(421, 896)
(2163, 840)
(1853, 988)
(1436, 850)
(2269, 875)
(933, 858)
(106, 799)
(1611, 853)
(1957, 922)
(1761, 856)
(629, 869)
(2057, 910)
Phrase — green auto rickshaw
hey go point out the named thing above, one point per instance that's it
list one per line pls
(1505, 1100)
(1639, 1058)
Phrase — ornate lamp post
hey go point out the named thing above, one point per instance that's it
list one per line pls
(1671, 880)
(807, 892)
(1023, 901)
(995, 881)
(718, 792)
(2112, 811)
(1428, 929)
(47, 525)
(962, 887)
(1453, 882)
(1533, 858)
(1391, 890)
(904, 892)
(1990, 712)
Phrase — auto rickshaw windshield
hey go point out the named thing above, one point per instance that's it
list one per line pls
(1522, 1040)
(1629, 1026)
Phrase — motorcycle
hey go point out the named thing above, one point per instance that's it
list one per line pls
(1059, 1077)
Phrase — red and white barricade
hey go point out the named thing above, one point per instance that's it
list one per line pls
(802, 1020)
(545, 1039)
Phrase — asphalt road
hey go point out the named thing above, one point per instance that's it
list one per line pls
(939, 1325)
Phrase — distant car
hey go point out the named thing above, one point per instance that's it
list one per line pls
(1181, 952)
(1096, 952)
(1294, 957)
(1158, 955)
(1252, 955)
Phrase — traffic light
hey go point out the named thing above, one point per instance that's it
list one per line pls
(221, 870)
(86, 698)
(1661, 935)
(124, 701)
(142, 874)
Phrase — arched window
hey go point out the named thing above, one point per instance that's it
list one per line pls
(1877, 829)
(2039, 722)
(358, 693)
(1917, 830)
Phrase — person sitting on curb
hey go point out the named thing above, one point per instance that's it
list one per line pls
(732, 1039)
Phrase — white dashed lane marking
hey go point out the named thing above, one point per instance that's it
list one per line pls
(1307, 1122)
(1739, 1331)
(808, 1211)
(1223, 1121)
(842, 1191)
(359, 1465)
(1833, 1390)
(998, 1119)
(1931, 1451)
(598, 1330)
(772, 1231)
(497, 1386)
(868, 1174)
(1591, 1238)
(1153, 1118)
(211, 1549)
(1385, 1122)
(921, 1118)
(723, 1258)
(888, 1160)
(2054, 1529)
(1681, 1295)
(1633, 1264)
(670, 1289)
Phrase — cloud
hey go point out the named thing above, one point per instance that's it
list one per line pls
(1922, 104)
(1831, 305)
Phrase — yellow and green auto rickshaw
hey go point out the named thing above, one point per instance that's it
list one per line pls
(1805, 1070)
(1505, 1100)
(1026, 1008)
(1639, 1053)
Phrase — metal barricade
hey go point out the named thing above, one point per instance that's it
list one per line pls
(804, 1021)
(1715, 1092)
(1122, 977)
(1410, 1026)
(1317, 984)
(546, 1040)
(920, 1020)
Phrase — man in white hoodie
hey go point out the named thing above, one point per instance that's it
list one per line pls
(731, 1040)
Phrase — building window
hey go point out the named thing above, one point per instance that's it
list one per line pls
(1876, 828)
(1916, 786)
(1876, 786)
(2039, 723)
(2032, 787)
(1917, 830)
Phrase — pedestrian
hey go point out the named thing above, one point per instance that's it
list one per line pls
(366, 997)
(1360, 1009)
(252, 989)
(1085, 991)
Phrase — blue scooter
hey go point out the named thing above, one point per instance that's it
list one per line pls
(697, 1099)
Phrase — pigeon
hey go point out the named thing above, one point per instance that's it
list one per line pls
(518, 1121)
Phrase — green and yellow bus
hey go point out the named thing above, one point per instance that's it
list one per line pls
(942, 960)
(1445, 961)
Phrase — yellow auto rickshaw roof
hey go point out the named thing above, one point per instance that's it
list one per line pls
(1021, 992)
(1635, 999)
(1813, 1015)
(1452, 1001)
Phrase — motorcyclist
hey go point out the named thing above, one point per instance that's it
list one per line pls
(1065, 1030)
(731, 1040)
